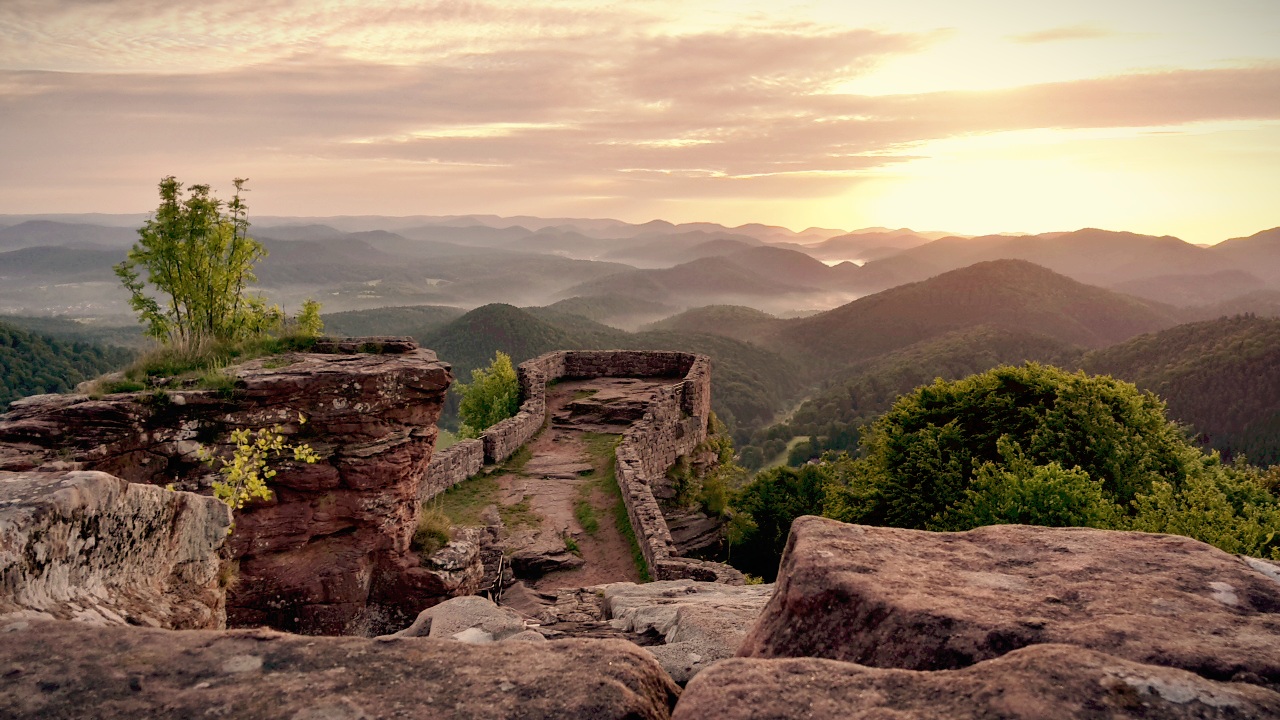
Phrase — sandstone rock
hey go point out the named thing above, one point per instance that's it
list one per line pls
(330, 552)
(458, 614)
(1041, 682)
(68, 670)
(887, 597)
(546, 552)
(91, 547)
(700, 622)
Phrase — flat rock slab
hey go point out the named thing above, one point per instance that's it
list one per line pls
(70, 670)
(700, 622)
(1042, 682)
(887, 597)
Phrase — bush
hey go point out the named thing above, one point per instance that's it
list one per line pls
(492, 396)
(926, 450)
(1033, 445)
(432, 532)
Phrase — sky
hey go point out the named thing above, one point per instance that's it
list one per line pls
(969, 116)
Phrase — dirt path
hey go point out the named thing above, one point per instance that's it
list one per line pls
(568, 479)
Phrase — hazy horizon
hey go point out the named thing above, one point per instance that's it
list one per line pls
(1159, 118)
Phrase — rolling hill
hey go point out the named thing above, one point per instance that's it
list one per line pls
(1093, 256)
(732, 321)
(1008, 294)
(693, 283)
(1259, 254)
(31, 364)
(616, 310)
(1220, 376)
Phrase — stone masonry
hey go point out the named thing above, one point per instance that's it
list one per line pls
(672, 426)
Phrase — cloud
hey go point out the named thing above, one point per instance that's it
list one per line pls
(1058, 34)
(572, 106)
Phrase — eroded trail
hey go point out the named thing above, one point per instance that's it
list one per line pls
(566, 528)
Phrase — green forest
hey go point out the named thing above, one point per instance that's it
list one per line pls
(31, 364)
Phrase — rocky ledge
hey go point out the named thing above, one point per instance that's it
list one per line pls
(329, 553)
(90, 547)
(70, 670)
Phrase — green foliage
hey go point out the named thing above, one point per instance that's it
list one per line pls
(308, 322)
(925, 451)
(198, 261)
(492, 396)
(246, 474)
(1033, 445)
(770, 503)
(1018, 492)
(32, 364)
(432, 532)
(1221, 377)
(1225, 507)
(586, 514)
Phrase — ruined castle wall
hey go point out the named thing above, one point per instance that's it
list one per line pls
(451, 466)
(672, 426)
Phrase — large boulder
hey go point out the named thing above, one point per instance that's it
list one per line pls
(454, 617)
(1041, 682)
(699, 622)
(69, 670)
(91, 547)
(888, 597)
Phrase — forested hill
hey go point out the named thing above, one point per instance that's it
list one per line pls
(31, 364)
(1221, 376)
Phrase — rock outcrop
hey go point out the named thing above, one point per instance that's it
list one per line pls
(329, 554)
(699, 622)
(91, 547)
(66, 670)
(886, 597)
(1041, 682)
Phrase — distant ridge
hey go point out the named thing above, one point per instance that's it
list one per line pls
(1009, 294)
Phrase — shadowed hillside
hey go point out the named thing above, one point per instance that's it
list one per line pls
(1009, 294)
(1221, 376)
(31, 364)
(733, 321)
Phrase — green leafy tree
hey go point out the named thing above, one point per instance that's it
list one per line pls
(197, 258)
(492, 396)
(308, 322)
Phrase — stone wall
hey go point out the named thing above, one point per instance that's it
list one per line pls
(330, 552)
(451, 466)
(672, 426)
(90, 547)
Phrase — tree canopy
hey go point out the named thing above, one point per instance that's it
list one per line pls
(1030, 444)
(197, 259)
(492, 396)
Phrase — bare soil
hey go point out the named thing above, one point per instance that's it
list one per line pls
(562, 471)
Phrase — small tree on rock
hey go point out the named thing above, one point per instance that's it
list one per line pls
(198, 262)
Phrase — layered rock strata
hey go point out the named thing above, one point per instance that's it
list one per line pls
(329, 554)
(886, 597)
(66, 670)
(91, 547)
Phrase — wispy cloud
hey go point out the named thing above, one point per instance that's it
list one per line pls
(1058, 34)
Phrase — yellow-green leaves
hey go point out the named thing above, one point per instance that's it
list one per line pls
(246, 473)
